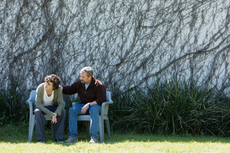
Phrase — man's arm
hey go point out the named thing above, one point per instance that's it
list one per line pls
(70, 90)
(86, 106)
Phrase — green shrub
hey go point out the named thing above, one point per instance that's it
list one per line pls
(12, 103)
(171, 107)
(119, 109)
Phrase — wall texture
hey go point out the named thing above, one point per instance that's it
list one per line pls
(127, 42)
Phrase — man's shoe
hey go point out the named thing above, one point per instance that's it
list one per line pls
(71, 140)
(41, 141)
(93, 140)
(59, 140)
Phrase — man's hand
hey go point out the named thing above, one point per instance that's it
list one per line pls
(54, 118)
(84, 108)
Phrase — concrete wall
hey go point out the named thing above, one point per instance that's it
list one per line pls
(127, 42)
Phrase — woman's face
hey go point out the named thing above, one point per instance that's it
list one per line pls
(48, 85)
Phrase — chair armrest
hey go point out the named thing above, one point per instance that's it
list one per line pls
(75, 103)
(30, 104)
(105, 108)
(30, 107)
(107, 102)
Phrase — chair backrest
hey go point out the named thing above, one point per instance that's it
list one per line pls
(108, 96)
(32, 96)
(105, 108)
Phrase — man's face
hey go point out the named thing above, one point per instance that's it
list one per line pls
(85, 79)
(48, 85)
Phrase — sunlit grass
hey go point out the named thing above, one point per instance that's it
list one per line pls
(13, 139)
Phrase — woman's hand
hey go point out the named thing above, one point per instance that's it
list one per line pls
(54, 118)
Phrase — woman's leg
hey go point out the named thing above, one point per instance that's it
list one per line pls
(60, 126)
(40, 124)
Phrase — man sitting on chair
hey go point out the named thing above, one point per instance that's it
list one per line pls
(92, 94)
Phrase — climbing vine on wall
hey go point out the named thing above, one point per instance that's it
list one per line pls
(127, 42)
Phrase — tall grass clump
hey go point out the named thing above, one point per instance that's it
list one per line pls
(13, 103)
(119, 109)
(173, 107)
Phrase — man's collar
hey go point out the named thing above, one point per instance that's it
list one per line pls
(92, 81)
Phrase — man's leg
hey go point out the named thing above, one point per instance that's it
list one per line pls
(94, 115)
(73, 113)
(40, 124)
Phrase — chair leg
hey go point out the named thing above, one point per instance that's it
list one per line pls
(101, 129)
(53, 129)
(33, 124)
(108, 127)
(31, 127)
(87, 124)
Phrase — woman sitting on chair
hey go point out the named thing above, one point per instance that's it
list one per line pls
(47, 94)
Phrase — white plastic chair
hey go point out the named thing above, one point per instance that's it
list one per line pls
(103, 117)
(31, 103)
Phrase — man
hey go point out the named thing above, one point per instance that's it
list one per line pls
(92, 94)
(47, 95)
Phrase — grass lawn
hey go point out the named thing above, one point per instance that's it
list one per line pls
(15, 139)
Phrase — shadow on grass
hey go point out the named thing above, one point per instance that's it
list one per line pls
(19, 134)
(17, 137)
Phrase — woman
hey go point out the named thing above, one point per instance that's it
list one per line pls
(47, 94)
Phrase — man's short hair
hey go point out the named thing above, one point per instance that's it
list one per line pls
(56, 80)
(88, 70)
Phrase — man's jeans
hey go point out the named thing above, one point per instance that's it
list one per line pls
(94, 112)
(40, 123)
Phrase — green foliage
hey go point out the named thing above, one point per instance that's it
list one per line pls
(169, 107)
(172, 107)
(118, 109)
(12, 103)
